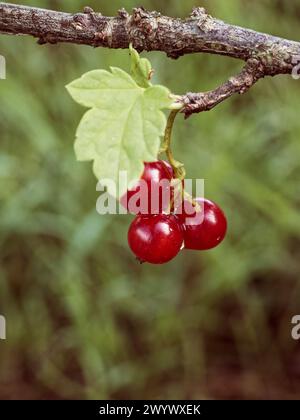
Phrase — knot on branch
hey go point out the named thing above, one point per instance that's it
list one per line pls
(251, 73)
(142, 28)
(83, 21)
(80, 20)
(88, 10)
(123, 14)
(204, 20)
(89, 19)
(104, 37)
(139, 13)
(195, 103)
(273, 56)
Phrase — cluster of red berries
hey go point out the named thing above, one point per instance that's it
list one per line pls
(158, 238)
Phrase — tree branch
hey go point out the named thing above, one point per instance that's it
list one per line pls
(265, 55)
(205, 101)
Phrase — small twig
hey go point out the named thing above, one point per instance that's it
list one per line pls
(205, 101)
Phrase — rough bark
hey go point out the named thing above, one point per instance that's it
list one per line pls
(265, 55)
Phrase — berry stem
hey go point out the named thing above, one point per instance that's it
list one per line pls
(189, 198)
(177, 166)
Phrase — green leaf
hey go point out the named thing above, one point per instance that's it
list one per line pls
(123, 127)
(101, 88)
(141, 69)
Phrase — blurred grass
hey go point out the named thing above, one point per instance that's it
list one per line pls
(84, 320)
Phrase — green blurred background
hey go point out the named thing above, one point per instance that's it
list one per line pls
(84, 320)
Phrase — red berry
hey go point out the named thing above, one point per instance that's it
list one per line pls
(147, 192)
(155, 239)
(204, 228)
(169, 167)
